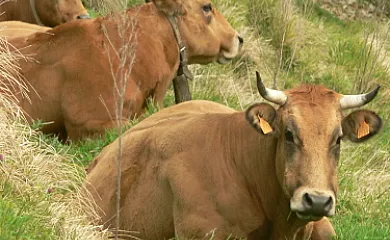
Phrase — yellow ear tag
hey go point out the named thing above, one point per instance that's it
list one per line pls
(363, 130)
(264, 125)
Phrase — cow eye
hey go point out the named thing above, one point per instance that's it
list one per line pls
(289, 136)
(207, 8)
(338, 141)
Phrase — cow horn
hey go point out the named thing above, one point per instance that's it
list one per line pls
(271, 95)
(353, 101)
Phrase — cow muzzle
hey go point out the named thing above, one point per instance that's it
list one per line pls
(83, 17)
(226, 56)
(312, 205)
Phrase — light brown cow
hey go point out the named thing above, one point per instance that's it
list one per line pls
(200, 168)
(12, 29)
(43, 12)
(73, 65)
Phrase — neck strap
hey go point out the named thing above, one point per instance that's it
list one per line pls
(183, 66)
(35, 13)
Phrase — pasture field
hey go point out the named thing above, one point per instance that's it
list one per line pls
(290, 42)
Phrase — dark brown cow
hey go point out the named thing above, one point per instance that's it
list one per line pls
(202, 169)
(43, 12)
(71, 73)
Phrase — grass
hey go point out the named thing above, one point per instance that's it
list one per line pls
(289, 42)
(39, 186)
(18, 217)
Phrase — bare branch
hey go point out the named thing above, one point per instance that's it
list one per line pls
(121, 59)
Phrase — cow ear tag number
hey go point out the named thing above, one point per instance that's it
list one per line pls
(363, 130)
(264, 125)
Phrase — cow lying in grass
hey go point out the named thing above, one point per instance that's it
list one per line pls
(200, 169)
(73, 67)
(43, 12)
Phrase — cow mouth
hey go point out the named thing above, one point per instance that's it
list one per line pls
(224, 60)
(307, 217)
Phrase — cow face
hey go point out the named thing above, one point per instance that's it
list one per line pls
(207, 34)
(310, 127)
(55, 12)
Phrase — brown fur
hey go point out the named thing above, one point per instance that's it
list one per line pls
(173, 7)
(12, 29)
(51, 12)
(318, 230)
(323, 230)
(71, 78)
(200, 168)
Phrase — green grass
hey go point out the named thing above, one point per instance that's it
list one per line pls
(368, 228)
(19, 219)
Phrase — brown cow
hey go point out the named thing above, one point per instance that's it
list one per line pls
(202, 169)
(43, 12)
(12, 29)
(73, 64)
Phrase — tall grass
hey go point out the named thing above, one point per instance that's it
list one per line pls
(38, 185)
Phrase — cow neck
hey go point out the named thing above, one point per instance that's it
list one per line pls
(253, 155)
(35, 13)
(183, 64)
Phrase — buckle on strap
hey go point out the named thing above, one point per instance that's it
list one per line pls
(183, 66)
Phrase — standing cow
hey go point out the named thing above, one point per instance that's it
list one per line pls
(43, 12)
(200, 169)
(72, 67)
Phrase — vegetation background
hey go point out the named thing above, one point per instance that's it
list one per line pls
(342, 44)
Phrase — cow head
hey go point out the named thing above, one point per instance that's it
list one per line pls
(207, 34)
(309, 126)
(55, 12)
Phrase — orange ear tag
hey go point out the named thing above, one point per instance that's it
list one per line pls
(264, 125)
(363, 130)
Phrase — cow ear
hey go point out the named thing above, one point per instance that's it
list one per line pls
(170, 7)
(262, 117)
(361, 125)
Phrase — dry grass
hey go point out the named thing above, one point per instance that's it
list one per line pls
(365, 176)
(12, 80)
(35, 172)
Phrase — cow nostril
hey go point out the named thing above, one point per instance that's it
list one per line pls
(307, 200)
(83, 17)
(241, 40)
(328, 204)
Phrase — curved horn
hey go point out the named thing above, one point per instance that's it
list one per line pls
(353, 101)
(271, 95)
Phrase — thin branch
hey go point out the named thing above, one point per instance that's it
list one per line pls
(124, 55)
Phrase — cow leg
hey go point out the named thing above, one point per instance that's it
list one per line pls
(197, 225)
(319, 230)
(194, 213)
(159, 93)
(323, 230)
(305, 232)
(196, 220)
